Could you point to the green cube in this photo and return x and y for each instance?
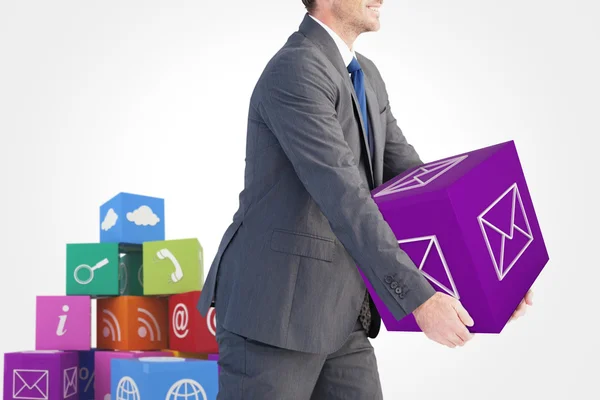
(103, 269)
(172, 266)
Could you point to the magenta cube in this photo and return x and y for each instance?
(468, 223)
(63, 323)
(102, 367)
(41, 374)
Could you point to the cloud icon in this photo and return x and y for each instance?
(143, 216)
(110, 220)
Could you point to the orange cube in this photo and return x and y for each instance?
(132, 323)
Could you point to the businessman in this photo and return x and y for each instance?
(294, 317)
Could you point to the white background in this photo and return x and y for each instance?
(151, 97)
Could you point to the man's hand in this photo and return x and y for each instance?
(443, 319)
(522, 308)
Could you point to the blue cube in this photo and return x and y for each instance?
(169, 378)
(132, 218)
(86, 376)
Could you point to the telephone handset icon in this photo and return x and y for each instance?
(178, 274)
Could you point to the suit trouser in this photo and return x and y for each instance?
(251, 370)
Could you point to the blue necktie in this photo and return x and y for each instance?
(358, 80)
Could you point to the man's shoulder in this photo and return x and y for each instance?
(298, 52)
(295, 62)
(299, 65)
(374, 77)
(368, 66)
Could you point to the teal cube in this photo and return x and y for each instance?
(132, 218)
(104, 269)
(131, 277)
(169, 378)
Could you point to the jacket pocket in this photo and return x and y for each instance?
(303, 244)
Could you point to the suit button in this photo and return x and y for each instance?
(394, 285)
(388, 279)
(398, 290)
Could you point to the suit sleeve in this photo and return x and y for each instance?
(399, 155)
(298, 105)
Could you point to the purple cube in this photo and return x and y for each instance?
(469, 225)
(41, 374)
(63, 323)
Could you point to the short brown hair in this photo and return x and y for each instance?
(309, 4)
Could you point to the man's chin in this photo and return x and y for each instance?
(369, 25)
(372, 28)
(373, 25)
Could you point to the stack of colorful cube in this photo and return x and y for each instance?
(150, 339)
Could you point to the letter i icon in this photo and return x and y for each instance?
(62, 319)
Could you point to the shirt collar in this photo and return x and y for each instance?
(346, 53)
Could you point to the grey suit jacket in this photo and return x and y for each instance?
(287, 265)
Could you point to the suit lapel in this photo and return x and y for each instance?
(377, 131)
(325, 43)
(363, 133)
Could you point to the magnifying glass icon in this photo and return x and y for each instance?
(90, 269)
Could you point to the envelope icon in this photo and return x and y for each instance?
(506, 230)
(31, 384)
(421, 176)
(427, 254)
(70, 382)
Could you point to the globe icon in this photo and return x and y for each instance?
(186, 389)
(127, 389)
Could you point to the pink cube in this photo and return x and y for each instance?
(102, 367)
(63, 323)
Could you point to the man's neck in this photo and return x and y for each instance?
(340, 29)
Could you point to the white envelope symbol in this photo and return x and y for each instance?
(70, 382)
(506, 230)
(421, 176)
(30, 384)
(428, 256)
